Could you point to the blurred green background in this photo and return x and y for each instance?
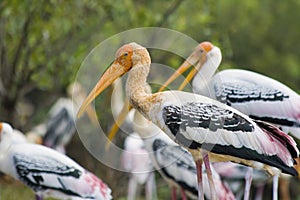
(43, 43)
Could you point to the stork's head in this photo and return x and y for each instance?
(127, 57)
(130, 55)
(5, 129)
(204, 54)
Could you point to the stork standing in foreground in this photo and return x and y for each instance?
(258, 96)
(202, 125)
(47, 172)
(173, 162)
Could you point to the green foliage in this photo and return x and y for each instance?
(43, 42)
(16, 190)
(263, 36)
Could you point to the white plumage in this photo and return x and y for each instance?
(47, 172)
(258, 96)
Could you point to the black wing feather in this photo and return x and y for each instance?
(213, 118)
(203, 115)
(59, 126)
(238, 92)
(32, 169)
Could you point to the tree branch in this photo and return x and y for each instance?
(26, 70)
(169, 12)
(3, 54)
(21, 45)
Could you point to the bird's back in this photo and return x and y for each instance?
(50, 173)
(258, 96)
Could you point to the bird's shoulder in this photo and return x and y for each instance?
(42, 156)
(243, 85)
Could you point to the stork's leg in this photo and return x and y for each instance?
(209, 176)
(173, 192)
(248, 181)
(239, 194)
(259, 192)
(275, 187)
(199, 177)
(37, 197)
(284, 188)
(183, 194)
(132, 189)
(151, 192)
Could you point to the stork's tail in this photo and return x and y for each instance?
(285, 140)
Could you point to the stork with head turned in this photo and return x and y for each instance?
(256, 95)
(47, 172)
(204, 126)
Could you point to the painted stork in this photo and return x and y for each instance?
(60, 126)
(173, 162)
(256, 95)
(201, 124)
(47, 172)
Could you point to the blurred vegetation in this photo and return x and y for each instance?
(43, 42)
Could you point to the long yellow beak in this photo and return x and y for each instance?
(189, 77)
(1, 126)
(191, 60)
(111, 74)
(120, 120)
(197, 59)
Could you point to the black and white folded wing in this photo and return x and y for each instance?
(258, 96)
(50, 173)
(223, 130)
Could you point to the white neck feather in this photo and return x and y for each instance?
(200, 82)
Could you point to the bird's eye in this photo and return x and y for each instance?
(201, 50)
(125, 54)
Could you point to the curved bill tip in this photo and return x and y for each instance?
(188, 63)
(111, 74)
